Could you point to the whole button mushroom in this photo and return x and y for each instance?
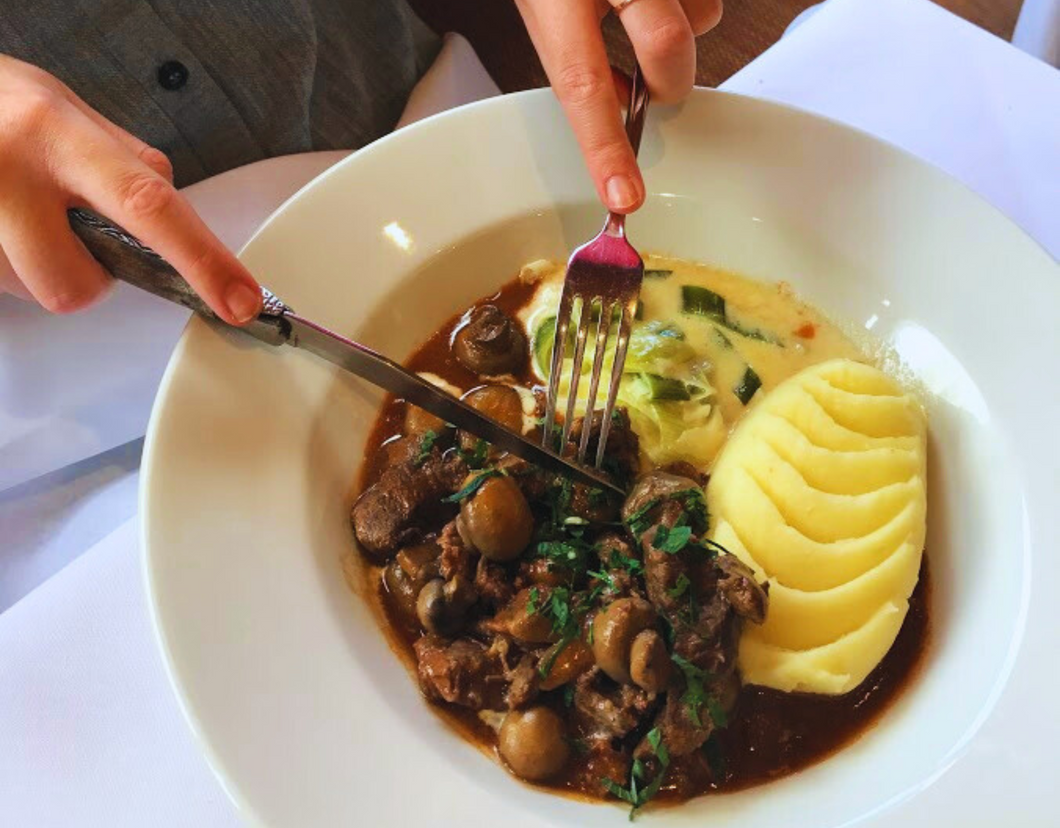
(615, 629)
(496, 520)
(441, 605)
(491, 342)
(533, 743)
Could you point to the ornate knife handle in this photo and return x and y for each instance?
(128, 259)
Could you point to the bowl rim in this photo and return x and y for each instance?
(151, 449)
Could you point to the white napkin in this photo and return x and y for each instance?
(89, 729)
(934, 84)
(75, 390)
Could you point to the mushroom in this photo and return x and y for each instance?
(418, 421)
(533, 743)
(491, 342)
(649, 663)
(496, 520)
(441, 605)
(520, 618)
(573, 659)
(615, 629)
(406, 574)
(498, 402)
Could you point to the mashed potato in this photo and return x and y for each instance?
(821, 490)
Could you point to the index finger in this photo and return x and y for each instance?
(566, 34)
(107, 177)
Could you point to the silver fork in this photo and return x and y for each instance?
(606, 272)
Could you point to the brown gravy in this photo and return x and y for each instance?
(769, 734)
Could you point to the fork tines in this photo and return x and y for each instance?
(603, 281)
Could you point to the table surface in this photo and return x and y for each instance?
(90, 730)
(747, 29)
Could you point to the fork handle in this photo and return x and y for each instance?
(638, 108)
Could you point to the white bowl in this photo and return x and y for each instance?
(306, 715)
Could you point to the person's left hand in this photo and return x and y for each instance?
(567, 36)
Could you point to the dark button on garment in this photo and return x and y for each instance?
(172, 75)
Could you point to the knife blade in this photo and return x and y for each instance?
(128, 259)
(389, 375)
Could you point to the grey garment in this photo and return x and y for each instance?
(220, 83)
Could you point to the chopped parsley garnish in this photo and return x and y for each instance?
(427, 442)
(600, 575)
(690, 614)
(620, 561)
(696, 696)
(671, 541)
(695, 508)
(473, 485)
(532, 599)
(558, 609)
(692, 503)
(637, 523)
(680, 587)
(636, 795)
(565, 609)
(476, 458)
(717, 712)
(572, 553)
(568, 694)
(558, 496)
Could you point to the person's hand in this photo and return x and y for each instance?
(57, 153)
(566, 34)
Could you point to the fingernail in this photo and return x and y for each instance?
(244, 303)
(621, 194)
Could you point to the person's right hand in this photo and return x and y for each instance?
(57, 153)
(567, 36)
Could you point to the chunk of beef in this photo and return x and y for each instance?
(736, 581)
(711, 643)
(399, 451)
(652, 489)
(463, 672)
(622, 455)
(532, 481)
(541, 572)
(594, 505)
(685, 725)
(610, 543)
(666, 572)
(387, 514)
(455, 558)
(525, 683)
(602, 761)
(493, 583)
(605, 709)
(682, 468)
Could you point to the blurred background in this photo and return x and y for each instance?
(747, 29)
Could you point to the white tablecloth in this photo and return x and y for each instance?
(90, 732)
